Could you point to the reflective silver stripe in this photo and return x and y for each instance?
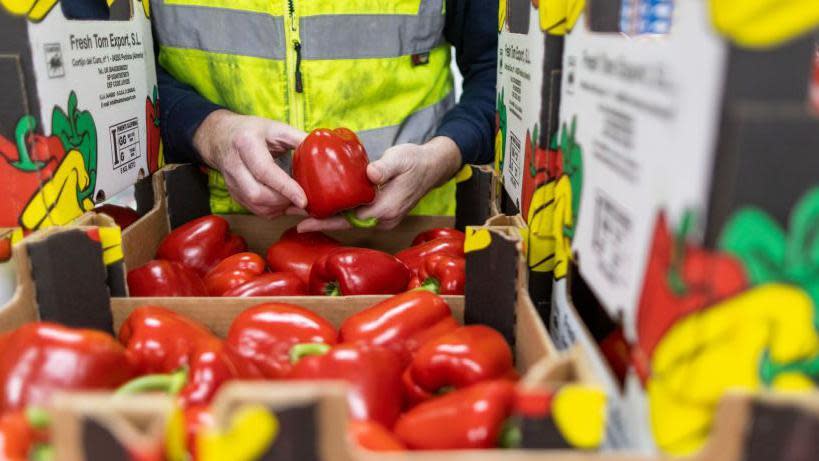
(219, 30)
(356, 36)
(417, 128)
(431, 7)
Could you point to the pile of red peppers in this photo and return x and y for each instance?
(417, 379)
(204, 258)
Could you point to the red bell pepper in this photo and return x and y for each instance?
(277, 284)
(372, 373)
(41, 358)
(402, 323)
(154, 140)
(438, 233)
(161, 341)
(25, 165)
(233, 271)
(442, 273)
(201, 244)
(358, 271)
(458, 359)
(266, 333)
(373, 436)
(18, 436)
(331, 167)
(295, 252)
(198, 419)
(165, 279)
(414, 257)
(5, 248)
(122, 215)
(680, 278)
(468, 418)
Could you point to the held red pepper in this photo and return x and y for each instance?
(443, 274)
(295, 252)
(265, 334)
(277, 284)
(468, 418)
(41, 358)
(122, 215)
(402, 323)
(373, 436)
(233, 271)
(165, 279)
(438, 233)
(161, 341)
(358, 271)
(331, 167)
(414, 257)
(458, 359)
(201, 244)
(372, 373)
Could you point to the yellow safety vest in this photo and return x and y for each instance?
(378, 67)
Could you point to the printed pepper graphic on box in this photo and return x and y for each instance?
(155, 154)
(743, 317)
(35, 10)
(53, 177)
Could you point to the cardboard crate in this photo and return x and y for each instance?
(686, 219)
(79, 114)
(178, 193)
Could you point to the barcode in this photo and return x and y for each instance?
(612, 226)
(514, 161)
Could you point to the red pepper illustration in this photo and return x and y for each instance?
(152, 123)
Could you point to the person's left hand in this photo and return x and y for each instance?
(405, 174)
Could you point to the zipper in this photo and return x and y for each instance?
(295, 82)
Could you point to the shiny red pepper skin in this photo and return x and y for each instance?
(122, 215)
(469, 418)
(161, 341)
(164, 279)
(372, 373)
(295, 252)
(372, 436)
(446, 273)
(458, 359)
(201, 244)
(402, 323)
(358, 271)
(438, 233)
(277, 284)
(41, 358)
(331, 167)
(198, 419)
(265, 334)
(414, 257)
(233, 271)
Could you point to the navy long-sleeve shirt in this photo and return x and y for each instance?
(471, 27)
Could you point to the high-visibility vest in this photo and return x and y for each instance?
(378, 67)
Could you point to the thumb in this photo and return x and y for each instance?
(386, 168)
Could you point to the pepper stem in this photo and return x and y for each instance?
(332, 289)
(170, 383)
(510, 435)
(42, 452)
(355, 221)
(302, 350)
(430, 284)
(38, 417)
(25, 163)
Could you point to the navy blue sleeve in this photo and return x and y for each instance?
(182, 110)
(472, 28)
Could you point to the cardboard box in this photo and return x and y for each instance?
(178, 193)
(79, 115)
(679, 218)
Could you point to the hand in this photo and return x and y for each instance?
(405, 173)
(243, 149)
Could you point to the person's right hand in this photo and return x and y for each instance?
(243, 149)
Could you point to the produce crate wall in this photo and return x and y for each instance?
(685, 226)
(79, 114)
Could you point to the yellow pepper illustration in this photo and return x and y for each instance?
(36, 10)
(252, 431)
(557, 17)
(562, 221)
(57, 202)
(541, 256)
(501, 14)
(722, 348)
(764, 23)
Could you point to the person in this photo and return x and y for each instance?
(240, 81)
